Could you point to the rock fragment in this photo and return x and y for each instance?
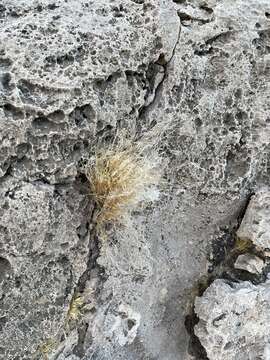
(255, 226)
(234, 320)
(250, 263)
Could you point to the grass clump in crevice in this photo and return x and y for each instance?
(47, 347)
(75, 306)
(79, 304)
(122, 178)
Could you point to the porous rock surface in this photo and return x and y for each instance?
(234, 321)
(255, 226)
(72, 74)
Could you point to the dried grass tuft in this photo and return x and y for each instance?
(74, 311)
(47, 347)
(121, 178)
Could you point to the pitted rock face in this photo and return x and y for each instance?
(190, 76)
(71, 72)
(234, 320)
(216, 94)
(42, 259)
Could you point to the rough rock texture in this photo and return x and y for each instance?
(250, 263)
(234, 321)
(255, 226)
(72, 74)
(42, 257)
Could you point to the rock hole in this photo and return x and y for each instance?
(228, 345)
(26, 90)
(65, 60)
(82, 178)
(3, 321)
(5, 268)
(130, 324)
(140, 2)
(82, 114)
(45, 126)
(5, 63)
(207, 9)
(184, 16)
(22, 150)
(198, 122)
(57, 116)
(6, 81)
(217, 319)
(105, 130)
(52, 6)
(17, 282)
(13, 112)
(82, 231)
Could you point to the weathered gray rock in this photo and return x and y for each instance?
(42, 258)
(234, 321)
(72, 74)
(255, 226)
(250, 263)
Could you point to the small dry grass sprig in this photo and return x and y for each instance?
(46, 348)
(74, 311)
(121, 178)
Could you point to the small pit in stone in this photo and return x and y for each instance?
(131, 323)
(5, 269)
(3, 321)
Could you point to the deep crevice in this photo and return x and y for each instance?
(225, 251)
(165, 64)
(186, 17)
(79, 349)
(93, 254)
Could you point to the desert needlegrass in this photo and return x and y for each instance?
(121, 178)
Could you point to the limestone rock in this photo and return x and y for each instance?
(42, 258)
(124, 325)
(193, 77)
(255, 225)
(250, 263)
(234, 320)
(70, 72)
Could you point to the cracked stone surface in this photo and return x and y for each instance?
(192, 76)
(255, 226)
(234, 321)
(42, 257)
